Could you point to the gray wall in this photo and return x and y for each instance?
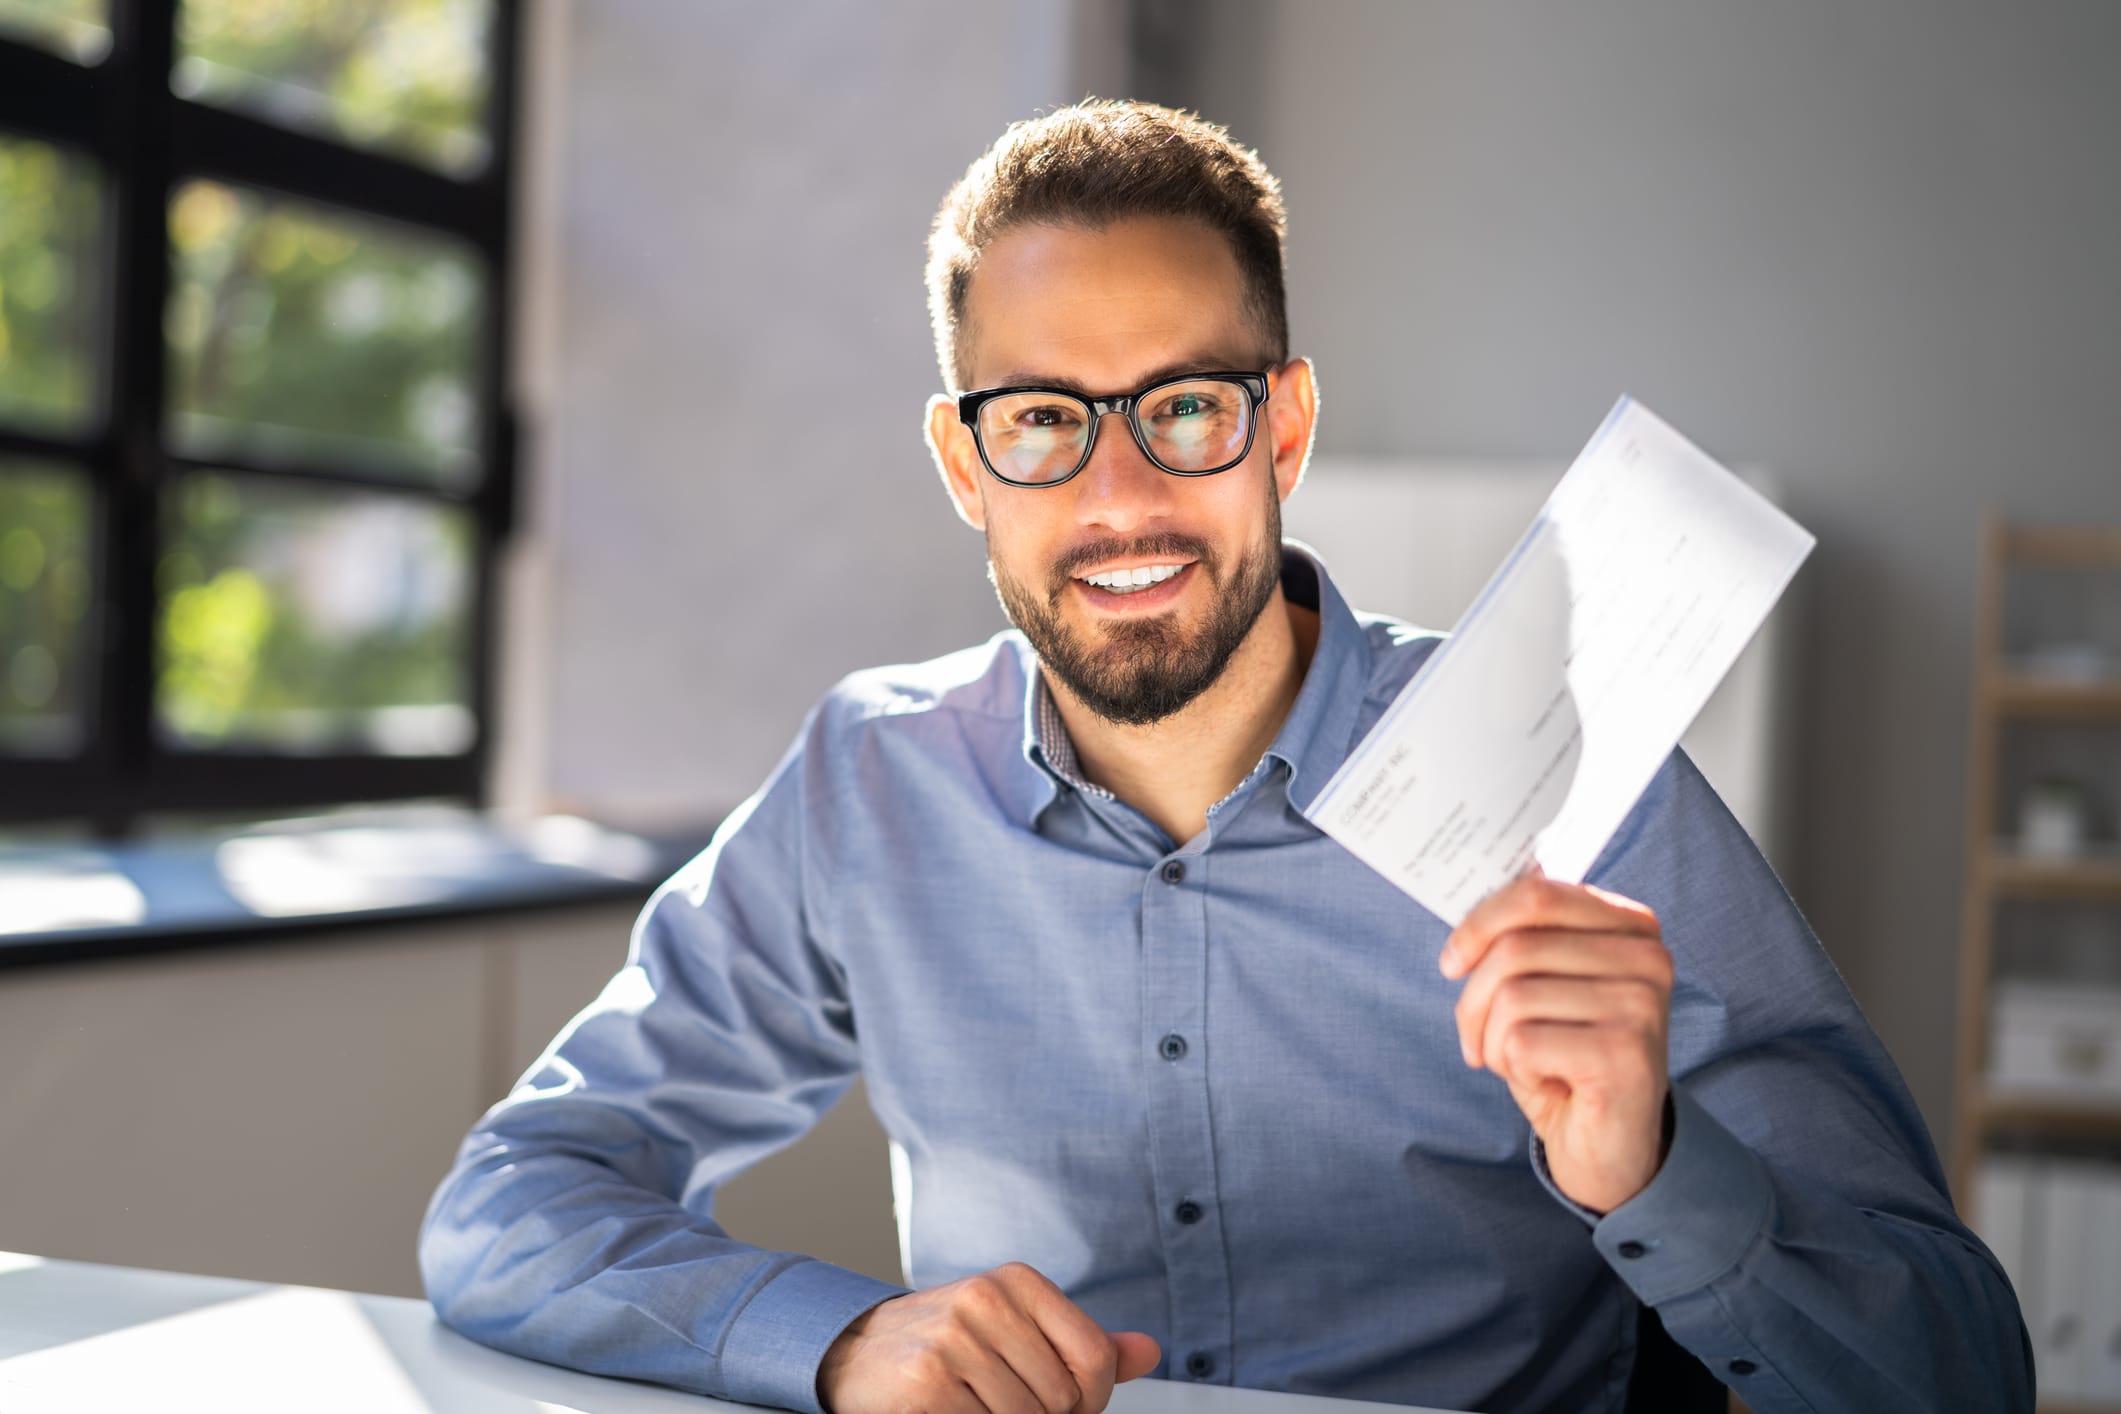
(727, 362)
(1871, 246)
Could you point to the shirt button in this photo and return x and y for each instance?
(1174, 871)
(1632, 1249)
(1741, 1367)
(1187, 1212)
(1172, 1047)
(1200, 1364)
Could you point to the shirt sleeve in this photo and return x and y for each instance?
(577, 1224)
(1799, 1239)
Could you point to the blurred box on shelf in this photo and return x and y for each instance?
(2054, 818)
(2065, 662)
(2052, 1039)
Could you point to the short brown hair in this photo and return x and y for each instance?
(1100, 161)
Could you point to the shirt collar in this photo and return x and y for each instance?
(1314, 737)
(1318, 732)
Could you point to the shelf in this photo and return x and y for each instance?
(2063, 546)
(2092, 1119)
(2020, 695)
(2090, 876)
(2041, 686)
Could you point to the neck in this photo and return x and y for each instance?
(1173, 770)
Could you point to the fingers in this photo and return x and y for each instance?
(1536, 901)
(1626, 1004)
(1138, 1354)
(1549, 1064)
(999, 1389)
(1557, 975)
(1567, 998)
(1017, 1364)
(1007, 1341)
(1058, 1351)
(1096, 1359)
(1536, 1053)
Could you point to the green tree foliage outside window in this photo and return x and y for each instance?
(73, 29)
(302, 618)
(296, 330)
(44, 605)
(48, 310)
(406, 76)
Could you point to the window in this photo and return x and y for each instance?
(256, 455)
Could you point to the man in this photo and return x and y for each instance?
(1174, 1084)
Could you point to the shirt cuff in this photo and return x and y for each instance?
(773, 1349)
(1707, 1205)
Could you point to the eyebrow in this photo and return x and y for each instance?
(1020, 378)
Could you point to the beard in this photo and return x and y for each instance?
(1143, 670)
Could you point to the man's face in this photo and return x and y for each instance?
(1102, 312)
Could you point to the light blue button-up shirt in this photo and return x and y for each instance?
(1211, 1088)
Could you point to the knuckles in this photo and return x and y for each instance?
(980, 1295)
(1647, 1003)
(1657, 962)
(1509, 948)
(1519, 1052)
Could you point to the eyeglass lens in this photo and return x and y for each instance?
(1199, 425)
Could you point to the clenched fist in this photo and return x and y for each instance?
(1005, 1341)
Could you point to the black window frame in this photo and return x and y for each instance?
(146, 141)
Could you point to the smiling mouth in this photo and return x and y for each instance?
(1131, 581)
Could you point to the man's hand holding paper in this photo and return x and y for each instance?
(1499, 775)
(1568, 997)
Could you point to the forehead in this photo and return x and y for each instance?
(1103, 306)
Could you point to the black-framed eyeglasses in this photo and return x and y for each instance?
(1194, 425)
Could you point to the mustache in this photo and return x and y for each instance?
(1165, 545)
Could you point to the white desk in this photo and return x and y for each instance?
(77, 1337)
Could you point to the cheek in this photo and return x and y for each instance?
(1249, 503)
(1017, 542)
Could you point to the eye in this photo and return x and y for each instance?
(1045, 415)
(1186, 405)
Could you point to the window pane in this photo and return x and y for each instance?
(44, 608)
(50, 301)
(305, 618)
(73, 29)
(407, 76)
(299, 331)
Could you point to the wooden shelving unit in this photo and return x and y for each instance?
(2018, 876)
(2025, 696)
(2006, 692)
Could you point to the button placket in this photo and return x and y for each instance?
(1174, 962)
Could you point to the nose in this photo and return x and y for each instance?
(1119, 489)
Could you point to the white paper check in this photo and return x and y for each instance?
(1534, 728)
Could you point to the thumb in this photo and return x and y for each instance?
(1138, 1355)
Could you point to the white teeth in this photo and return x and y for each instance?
(1127, 581)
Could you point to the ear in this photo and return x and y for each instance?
(1292, 420)
(956, 460)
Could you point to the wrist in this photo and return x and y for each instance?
(836, 1357)
(1599, 1183)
